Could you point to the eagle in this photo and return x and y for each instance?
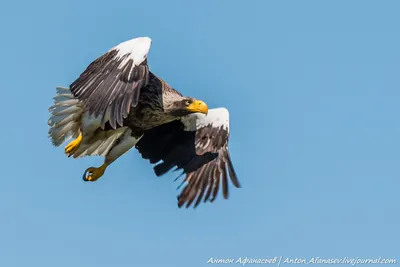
(117, 103)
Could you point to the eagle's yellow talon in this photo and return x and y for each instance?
(73, 146)
(92, 174)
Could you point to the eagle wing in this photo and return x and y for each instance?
(197, 145)
(111, 84)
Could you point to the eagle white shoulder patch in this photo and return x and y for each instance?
(136, 48)
(215, 118)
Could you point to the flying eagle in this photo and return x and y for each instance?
(117, 103)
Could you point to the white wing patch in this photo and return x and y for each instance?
(216, 117)
(137, 48)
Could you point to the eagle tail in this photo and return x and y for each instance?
(66, 114)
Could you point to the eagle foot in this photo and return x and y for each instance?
(92, 174)
(73, 146)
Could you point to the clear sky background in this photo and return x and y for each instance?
(313, 93)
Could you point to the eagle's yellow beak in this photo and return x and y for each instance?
(198, 106)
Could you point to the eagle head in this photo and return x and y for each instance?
(186, 106)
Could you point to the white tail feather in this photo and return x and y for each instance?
(68, 119)
(65, 117)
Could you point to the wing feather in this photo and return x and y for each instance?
(111, 84)
(197, 145)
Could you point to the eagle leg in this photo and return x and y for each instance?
(92, 174)
(120, 147)
(73, 146)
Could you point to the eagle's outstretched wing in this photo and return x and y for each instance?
(111, 84)
(198, 145)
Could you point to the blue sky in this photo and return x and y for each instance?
(313, 93)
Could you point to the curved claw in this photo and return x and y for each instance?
(73, 146)
(85, 176)
(92, 174)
